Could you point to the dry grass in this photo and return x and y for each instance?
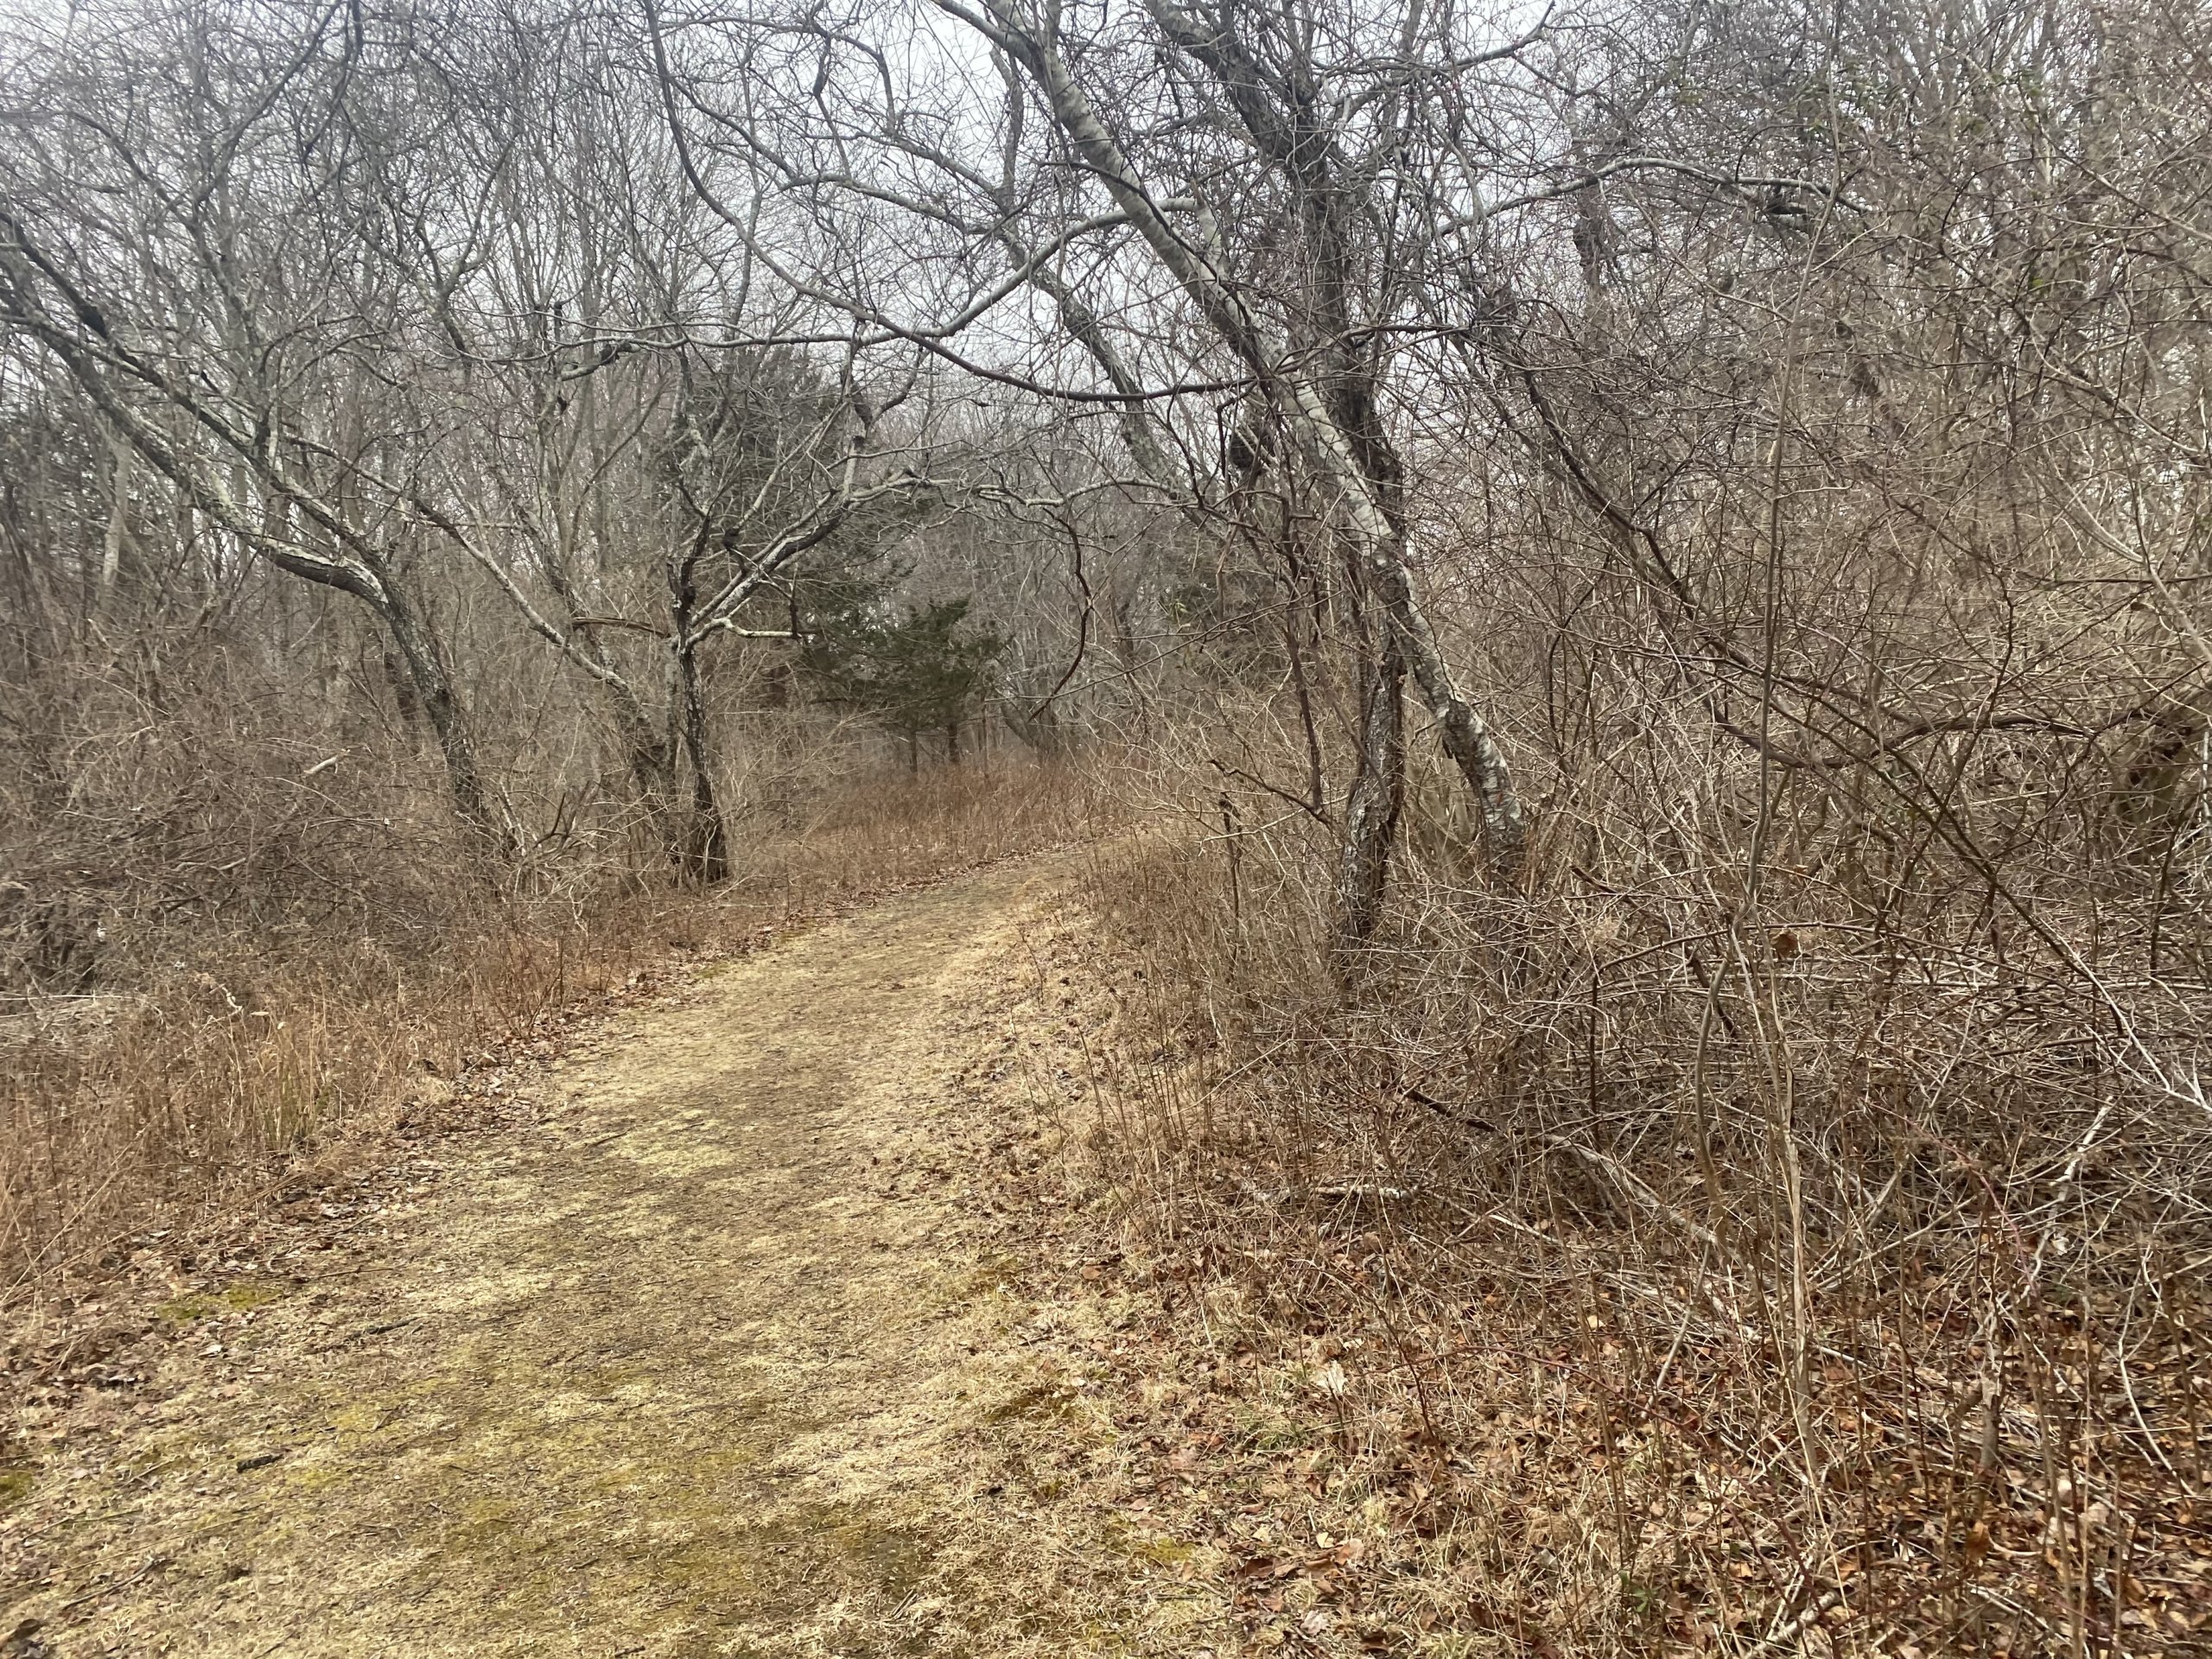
(1628, 1281)
(229, 1047)
(778, 1397)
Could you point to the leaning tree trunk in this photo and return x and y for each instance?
(297, 529)
(426, 670)
(1191, 255)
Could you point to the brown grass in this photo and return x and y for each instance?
(231, 1048)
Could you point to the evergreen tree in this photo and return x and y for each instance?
(920, 670)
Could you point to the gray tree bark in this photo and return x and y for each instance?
(1378, 794)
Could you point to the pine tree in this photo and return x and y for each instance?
(920, 670)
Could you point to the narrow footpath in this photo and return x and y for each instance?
(712, 1361)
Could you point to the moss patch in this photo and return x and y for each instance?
(241, 1296)
(16, 1480)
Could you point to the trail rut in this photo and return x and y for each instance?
(709, 1364)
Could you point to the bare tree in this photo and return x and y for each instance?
(208, 305)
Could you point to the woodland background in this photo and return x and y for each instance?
(1628, 583)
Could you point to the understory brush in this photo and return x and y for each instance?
(1660, 1267)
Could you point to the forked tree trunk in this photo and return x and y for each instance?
(1465, 735)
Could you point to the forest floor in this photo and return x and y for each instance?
(745, 1328)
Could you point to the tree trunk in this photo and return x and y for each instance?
(651, 756)
(1466, 736)
(706, 848)
(119, 517)
(296, 531)
(425, 671)
(1377, 792)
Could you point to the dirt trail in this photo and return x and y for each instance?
(708, 1365)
